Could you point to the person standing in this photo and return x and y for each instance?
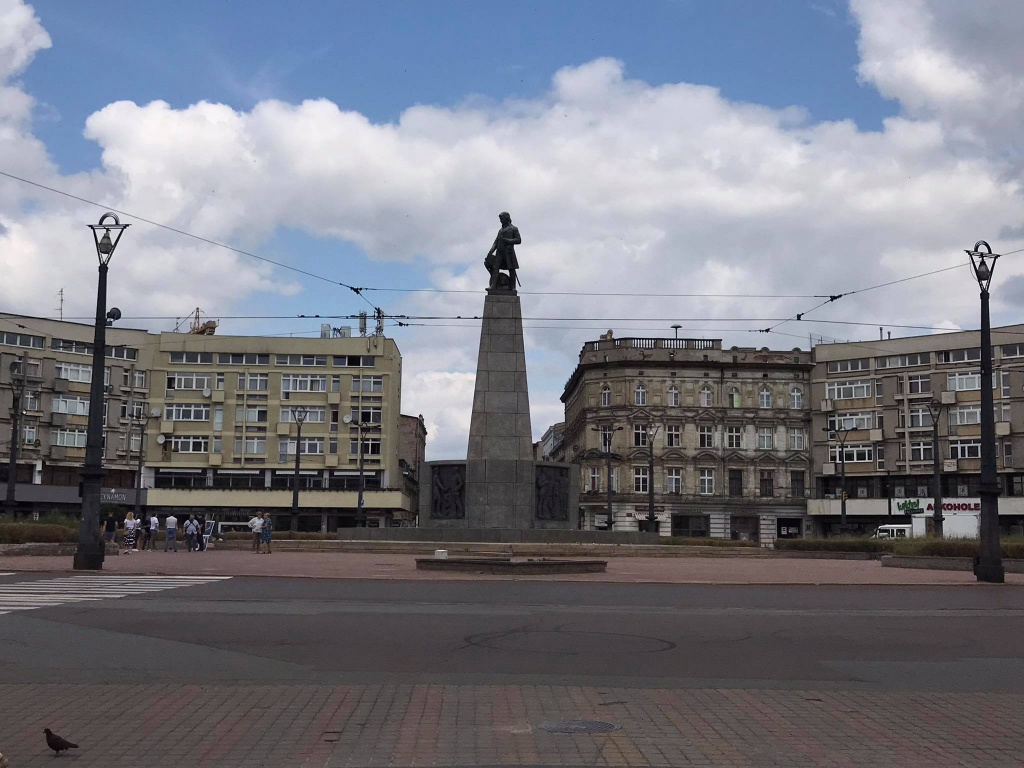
(131, 528)
(171, 526)
(154, 528)
(109, 527)
(202, 533)
(256, 526)
(266, 531)
(191, 529)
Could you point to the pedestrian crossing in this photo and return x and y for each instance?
(47, 593)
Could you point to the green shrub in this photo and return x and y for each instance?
(706, 542)
(36, 533)
(53, 518)
(835, 544)
(282, 534)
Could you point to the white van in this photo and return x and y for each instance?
(894, 532)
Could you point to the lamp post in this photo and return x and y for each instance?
(675, 329)
(89, 555)
(143, 423)
(299, 414)
(841, 433)
(606, 433)
(360, 426)
(935, 411)
(989, 564)
(17, 391)
(652, 519)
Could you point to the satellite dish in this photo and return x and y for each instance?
(161, 439)
(155, 413)
(347, 418)
(206, 392)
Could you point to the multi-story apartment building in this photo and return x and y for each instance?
(221, 434)
(727, 427)
(882, 396)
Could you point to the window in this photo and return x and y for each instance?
(765, 438)
(920, 450)
(367, 383)
(765, 398)
(640, 395)
(251, 445)
(30, 401)
(706, 482)
(74, 372)
(133, 409)
(190, 444)
(706, 397)
(734, 398)
(335, 383)
(848, 390)
(963, 382)
(313, 415)
(845, 366)
(136, 379)
(606, 396)
(21, 340)
(733, 437)
(964, 414)
(313, 360)
(797, 438)
(29, 434)
(972, 355)
(200, 358)
(310, 445)
(354, 361)
(371, 446)
(705, 436)
(1004, 379)
(183, 380)
(606, 438)
(594, 479)
(736, 482)
(303, 382)
(903, 361)
(73, 406)
(767, 486)
(218, 418)
(639, 436)
(674, 478)
(68, 438)
(35, 368)
(254, 382)
(640, 479)
(858, 420)
(916, 385)
(965, 449)
(797, 488)
(673, 436)
(796, 398)
(243, 358)
(219, 382)
(690, 526)
(1013, 350)
(852, 453)
(251, 415)
(187, 412)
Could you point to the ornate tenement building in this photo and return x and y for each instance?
(728, 429)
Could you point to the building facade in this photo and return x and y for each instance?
(728, 430)
(215, 420)
(882, 395)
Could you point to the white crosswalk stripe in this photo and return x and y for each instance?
(47, 593)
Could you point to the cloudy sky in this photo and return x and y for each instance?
(714, 165)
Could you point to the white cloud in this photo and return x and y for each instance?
(617, 185)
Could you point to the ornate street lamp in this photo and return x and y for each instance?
(989, 564)
(361, 497)
(652, 519)
(841, 433)
(18, 391)
(935, 409)
(89, 555)
(299, 414)
(607, 432)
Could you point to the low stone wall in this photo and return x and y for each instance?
(499, 535)
(944, 563)
(506, 565)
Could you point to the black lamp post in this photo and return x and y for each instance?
(142, 422)
(606, 448)
(299, 414)
(361, 497)
(935, 410)
(18, 391)
(989, 564)
(841, 434)
(89, 556)
(652, 519)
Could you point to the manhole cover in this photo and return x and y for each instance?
(579, 726)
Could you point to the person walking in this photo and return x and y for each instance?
(256, 526)
(131, 529)
(266, 531)
(171, 526)
(202, 533)
(191, 531)
(109, 527)
(154, 528)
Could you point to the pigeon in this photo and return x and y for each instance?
(56, 743)
(3, 762)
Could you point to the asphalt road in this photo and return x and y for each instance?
(255, 630)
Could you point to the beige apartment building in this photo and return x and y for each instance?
(219, 416)
(882, 394)
(727, 427)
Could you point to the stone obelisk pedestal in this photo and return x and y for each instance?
(500, 466)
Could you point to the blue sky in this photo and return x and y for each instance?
(665, 146)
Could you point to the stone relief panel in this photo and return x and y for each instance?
(448, 492)
(552, 489)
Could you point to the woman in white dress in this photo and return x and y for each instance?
(131, 530)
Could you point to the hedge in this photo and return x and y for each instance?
(836, 544)
(36, 533)
(706, 541)
(1011, 548)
